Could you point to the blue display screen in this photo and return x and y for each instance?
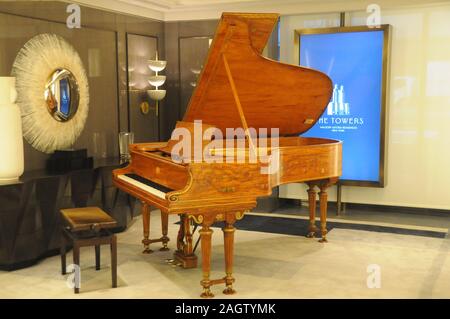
(354, 62)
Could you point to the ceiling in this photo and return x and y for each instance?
(172, 10)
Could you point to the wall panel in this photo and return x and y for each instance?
(101, 43)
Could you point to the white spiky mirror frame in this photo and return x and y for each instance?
(37, 60)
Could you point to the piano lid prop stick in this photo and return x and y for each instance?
(238, 104)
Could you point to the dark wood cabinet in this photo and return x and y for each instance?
(29, 212)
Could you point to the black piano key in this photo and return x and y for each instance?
(148, 182)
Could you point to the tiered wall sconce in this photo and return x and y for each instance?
(157, 81)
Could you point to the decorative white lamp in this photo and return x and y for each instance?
(157, 81)
(11, 142)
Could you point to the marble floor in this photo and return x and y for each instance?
(266, 266)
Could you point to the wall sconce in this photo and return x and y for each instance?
(156, 81)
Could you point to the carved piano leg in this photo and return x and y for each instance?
(228, 236)
(323, 197)
(146, 224)
(312, 194)
(165, 228)
(206, 234)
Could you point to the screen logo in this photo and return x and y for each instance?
(338, 105)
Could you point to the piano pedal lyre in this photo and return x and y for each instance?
(146, 225)
(185, 256)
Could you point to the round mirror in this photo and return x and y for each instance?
(62, 95)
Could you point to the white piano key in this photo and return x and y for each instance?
(142, 186)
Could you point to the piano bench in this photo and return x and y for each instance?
(87, 226)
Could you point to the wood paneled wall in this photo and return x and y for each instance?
(101, 40)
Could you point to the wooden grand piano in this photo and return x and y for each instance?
(219, 179)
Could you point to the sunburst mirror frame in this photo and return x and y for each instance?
(35, 63)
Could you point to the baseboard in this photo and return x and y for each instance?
(288, 202)
(398, 209)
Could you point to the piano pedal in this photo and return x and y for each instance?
(311, 235)
(174, 263)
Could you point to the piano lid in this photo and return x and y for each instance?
(240, 88)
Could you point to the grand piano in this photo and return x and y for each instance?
(238, 139)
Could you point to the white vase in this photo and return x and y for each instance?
(11, 142)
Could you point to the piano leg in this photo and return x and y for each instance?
(146, 224)
(206, 234)
(165, 228)
(228, 236)
(312, 194)
(323, 198)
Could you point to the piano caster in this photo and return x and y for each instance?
(164, 248)
(312, 230)
(324, 233)
(147, 250)
(311, 235)
(207, 293)
(229, 291)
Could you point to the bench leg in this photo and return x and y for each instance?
(114, 260)
(97, 257)
(63, 254)
(76, 262)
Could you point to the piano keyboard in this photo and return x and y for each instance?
(146, 185)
